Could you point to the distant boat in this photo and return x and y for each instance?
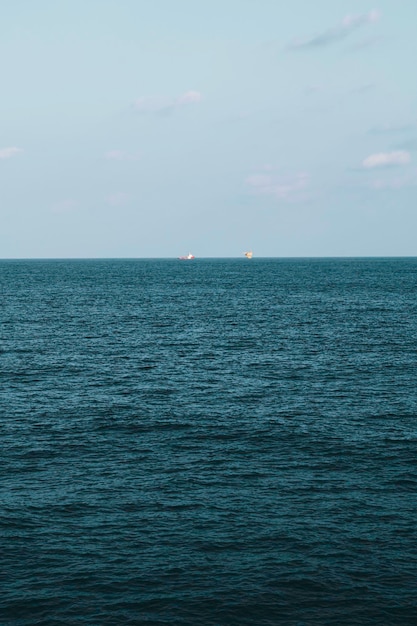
(249, 254)
(189, 257)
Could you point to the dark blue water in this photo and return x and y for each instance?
(209, 442)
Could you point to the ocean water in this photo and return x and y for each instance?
(211, 442)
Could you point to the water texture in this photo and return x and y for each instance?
(208, 442)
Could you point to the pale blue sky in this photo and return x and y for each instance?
(135, 128)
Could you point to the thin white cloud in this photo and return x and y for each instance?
(367, 42)
(349, 24)
(114, 155)
(120, 155)
(159, 106)
(271, 181)
(8, 153)
(117, 199)
(165, 106)
(384, 159)
(64, 206)
(189, 97)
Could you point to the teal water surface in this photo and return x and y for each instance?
(208, 442)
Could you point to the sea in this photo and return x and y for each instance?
(209, 442)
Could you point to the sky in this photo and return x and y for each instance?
(131, 128)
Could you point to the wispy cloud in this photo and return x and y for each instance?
(348, 25)
(166, 106)
(121, 155)
(362, 89)
(117, 199)
(367, 42)
(384, 159)
(282, 186)
(8, 153)
(189, 97)
(313, 89)
(115, 155)
(64, 206)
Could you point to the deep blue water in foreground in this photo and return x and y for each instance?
(210, 442)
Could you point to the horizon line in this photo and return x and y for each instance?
(172, 258)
